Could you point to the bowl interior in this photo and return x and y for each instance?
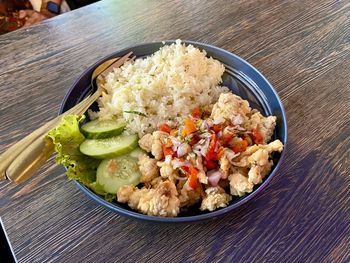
(242, 78)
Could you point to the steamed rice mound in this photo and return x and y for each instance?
(162, 88)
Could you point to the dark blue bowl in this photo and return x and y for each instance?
(241, 77)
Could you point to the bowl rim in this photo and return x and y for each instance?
(201, 217)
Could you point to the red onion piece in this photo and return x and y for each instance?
(214, 177)
(237, 119)
(230, 155)
(218, 120)
(205, 147)
(178, 164)
(176, 142)
(183, 149)
(204, 126)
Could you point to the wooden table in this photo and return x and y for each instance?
(302, 47)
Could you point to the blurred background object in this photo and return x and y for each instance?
(15, 14)
(9, 14)
(74, 4)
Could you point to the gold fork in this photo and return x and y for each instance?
(25, 157)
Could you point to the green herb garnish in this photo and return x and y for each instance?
(135, 112)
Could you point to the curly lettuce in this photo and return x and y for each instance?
(66, 138)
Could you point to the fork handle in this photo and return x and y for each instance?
(30, 160)
(15, 150)
(11, 154)
(28, 157)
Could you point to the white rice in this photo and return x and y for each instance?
(165, 87)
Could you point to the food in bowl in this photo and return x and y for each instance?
(167, 137)
(162, 88)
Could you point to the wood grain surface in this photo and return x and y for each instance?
(302, 47)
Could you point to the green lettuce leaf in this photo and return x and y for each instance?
(66, 138)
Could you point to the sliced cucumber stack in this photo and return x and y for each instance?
(99, 129)
(122, 170)
(109, 147)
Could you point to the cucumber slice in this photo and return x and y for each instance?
(113, 173)
(109, 147)
(99, 129)
(137, 152)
